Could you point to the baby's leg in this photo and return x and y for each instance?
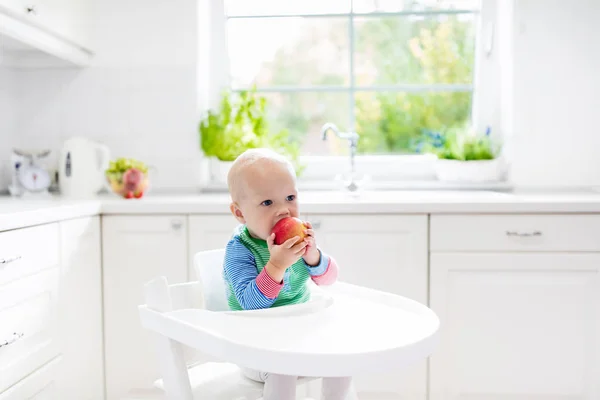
(280, 387)
(277, 387)
(337, 389)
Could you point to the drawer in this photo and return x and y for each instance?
(38, 248)
(41, 385)
(28, 325)
(515, 233)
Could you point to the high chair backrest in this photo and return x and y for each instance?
(209, 271)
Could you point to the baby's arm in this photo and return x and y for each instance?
(325, 272)
(252, 290)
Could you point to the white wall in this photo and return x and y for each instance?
(138, 97)
(556, 92)
(7, 122)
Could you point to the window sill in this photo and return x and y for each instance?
(332, 185)
(395, 172)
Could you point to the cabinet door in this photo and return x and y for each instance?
(18, 7)
(208, 232)
(67, 19)
(516, 326)
(80, 310)
(135, 250)
(388, 253)
(40, 385)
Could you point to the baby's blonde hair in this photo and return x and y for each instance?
(250, 158)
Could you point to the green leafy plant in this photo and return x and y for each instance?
(240, 124)
(461, 144)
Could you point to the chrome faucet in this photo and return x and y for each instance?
(352, 137)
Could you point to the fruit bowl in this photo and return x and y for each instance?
(127, 178)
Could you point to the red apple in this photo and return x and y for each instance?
(132, 178)
(287, 228)
(138, 195)
(129, 195)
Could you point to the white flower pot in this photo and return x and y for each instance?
(214, 171)
(219, 170)
(469, 171)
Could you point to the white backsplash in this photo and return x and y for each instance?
(139, 97)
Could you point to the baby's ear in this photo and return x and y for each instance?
(237, 213)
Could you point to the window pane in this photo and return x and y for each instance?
(415, 49)
(288, 51)
(303, 114)
(285, 7)
(368, 6)
(394, 122)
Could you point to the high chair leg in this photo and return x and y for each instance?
(173, 369)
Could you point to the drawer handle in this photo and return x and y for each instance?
(15, 336)
(523, 234)
(9, 259)
(316, 224)
(176, 224)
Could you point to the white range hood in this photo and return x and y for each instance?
(26, 43)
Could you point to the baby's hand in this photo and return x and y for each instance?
(287, 253)
(311, 256)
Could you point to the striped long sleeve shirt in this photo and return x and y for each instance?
(249, 286)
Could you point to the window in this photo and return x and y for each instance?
(387, 69)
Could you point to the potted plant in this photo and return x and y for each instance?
(239, 124)
(465, 156)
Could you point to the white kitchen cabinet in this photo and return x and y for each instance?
(47, 34)
(135, 250)
(18, 7)
(29, 286)
(67, 19)
(516, 326)
(209, 232)
(81, 372)
(40, 385)
(388, 253)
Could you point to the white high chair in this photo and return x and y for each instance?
(212, 380)
(344, 330)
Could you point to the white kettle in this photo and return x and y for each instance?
(81, 167)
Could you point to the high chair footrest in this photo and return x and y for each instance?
(220, 381)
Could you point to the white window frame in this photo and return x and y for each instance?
(385, 171)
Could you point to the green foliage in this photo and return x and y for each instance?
(241, 124)
(436, 52)
(393, 50)
(117, 167)
(461, 144)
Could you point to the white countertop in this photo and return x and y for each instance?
(17, 213)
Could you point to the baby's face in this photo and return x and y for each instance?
(269, 195)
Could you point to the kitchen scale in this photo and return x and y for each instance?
(30, 176)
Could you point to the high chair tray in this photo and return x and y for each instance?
(345, 330)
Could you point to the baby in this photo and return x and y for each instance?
(260, 274)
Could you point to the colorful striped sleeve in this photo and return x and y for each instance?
(324, 273)
(252, 290)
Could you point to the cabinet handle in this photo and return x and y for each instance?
(316, 224)
(523, 234)
(176, 224)
(31, 10)
(8, 260)
(15, 336)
